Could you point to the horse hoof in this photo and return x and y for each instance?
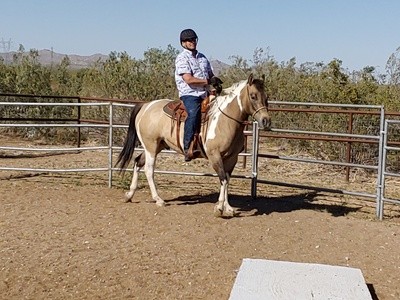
(218, 212)
(128, 197)
(231, 213)
(160, 204)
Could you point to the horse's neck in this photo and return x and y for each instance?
(227, 111)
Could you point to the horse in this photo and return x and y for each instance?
(222, 136)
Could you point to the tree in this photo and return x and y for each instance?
(393, 68)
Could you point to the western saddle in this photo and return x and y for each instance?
(177, 112)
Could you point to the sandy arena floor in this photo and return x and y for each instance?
(68, 236)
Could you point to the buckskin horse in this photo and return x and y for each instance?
(222, 136)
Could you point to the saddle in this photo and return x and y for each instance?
(177, 112)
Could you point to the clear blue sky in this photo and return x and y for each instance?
(359, 32)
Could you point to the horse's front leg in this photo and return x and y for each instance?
(223, 208)
(149, 171)
(219, 207)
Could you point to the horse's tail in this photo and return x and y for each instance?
(126, 153)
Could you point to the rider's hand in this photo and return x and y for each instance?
(214, 81)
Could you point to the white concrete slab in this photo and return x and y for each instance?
(279, 280)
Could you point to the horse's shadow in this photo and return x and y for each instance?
(247, 206)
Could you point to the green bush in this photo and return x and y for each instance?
(124, 77)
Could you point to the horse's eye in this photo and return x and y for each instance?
(253, 96)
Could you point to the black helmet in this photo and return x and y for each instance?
(188, 34)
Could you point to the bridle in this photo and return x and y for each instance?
(252, 116)
(257, 110)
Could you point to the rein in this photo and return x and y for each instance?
(253, 115)
(229, 117)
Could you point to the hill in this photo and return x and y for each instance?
(49, 57)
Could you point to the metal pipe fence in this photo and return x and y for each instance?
(53, 149)
(384, 173)
(110, 147)
(379, 196)
(256, 154)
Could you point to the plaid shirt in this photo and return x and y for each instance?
(198, 66)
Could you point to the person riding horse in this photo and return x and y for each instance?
(193, 73)
(222, 136)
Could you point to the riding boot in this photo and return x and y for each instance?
(194, 146)
(188, 152)
(187, 155)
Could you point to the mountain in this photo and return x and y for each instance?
(48, 57)
(218, 66)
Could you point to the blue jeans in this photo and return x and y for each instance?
(192, 123)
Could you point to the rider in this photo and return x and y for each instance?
(193, 73)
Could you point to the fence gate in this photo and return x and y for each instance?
(391, 131)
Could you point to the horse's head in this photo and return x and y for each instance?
(255, 101)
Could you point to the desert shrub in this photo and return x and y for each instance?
(123, 77)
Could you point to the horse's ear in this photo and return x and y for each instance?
(250, 79)
(263, 77)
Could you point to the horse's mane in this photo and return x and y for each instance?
(237, 87)
(233, 87)
(227, 93)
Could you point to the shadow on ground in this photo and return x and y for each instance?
(372, 291)
(267, 205)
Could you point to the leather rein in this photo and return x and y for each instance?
(253, 115)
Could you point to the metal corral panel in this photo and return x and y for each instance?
(278, 280)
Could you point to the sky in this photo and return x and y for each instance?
(360, 33)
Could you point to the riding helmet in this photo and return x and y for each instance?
(188, 34)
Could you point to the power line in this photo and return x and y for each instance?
(5, 46)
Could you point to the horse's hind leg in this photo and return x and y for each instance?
(139, 163)
(149, 171)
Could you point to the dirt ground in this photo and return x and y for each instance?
(68, 236)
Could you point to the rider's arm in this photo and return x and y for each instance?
(190, 79)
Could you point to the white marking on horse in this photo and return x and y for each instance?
(222, 103)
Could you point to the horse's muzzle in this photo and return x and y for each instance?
(262, 117)
(265, 123)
